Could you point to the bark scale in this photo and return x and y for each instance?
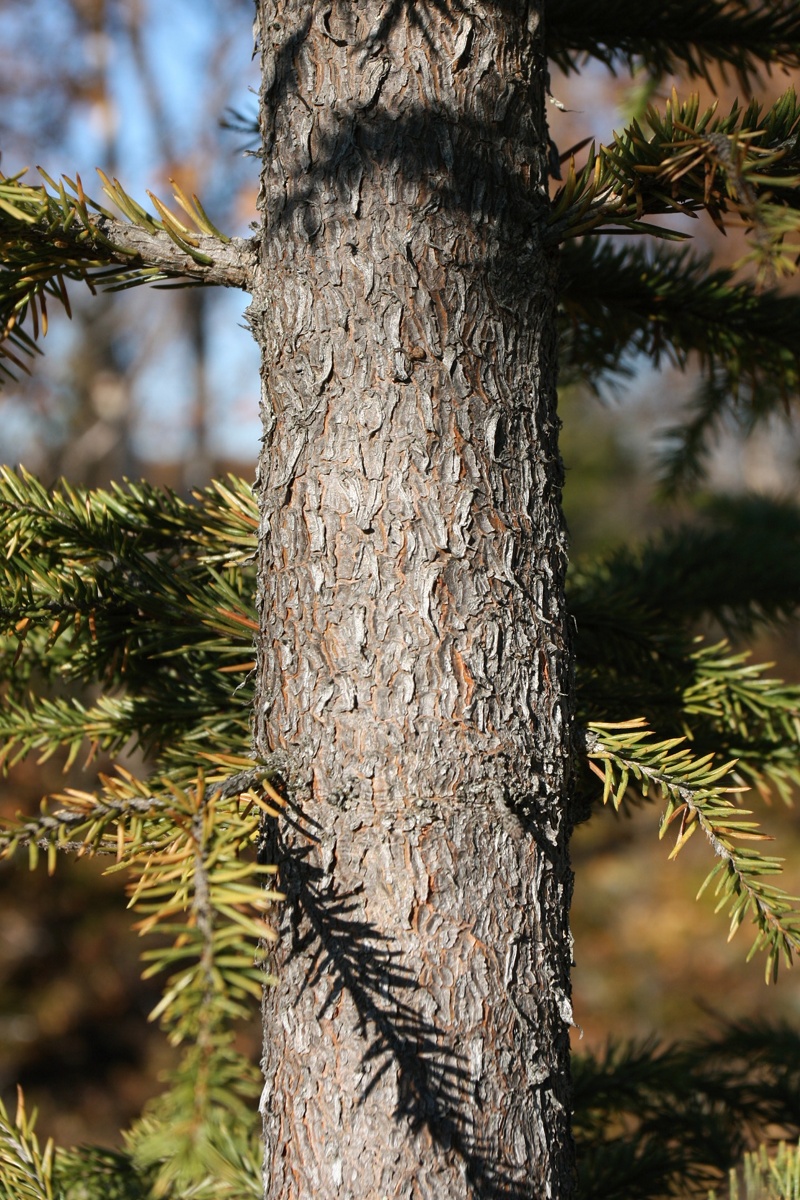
(412, 670)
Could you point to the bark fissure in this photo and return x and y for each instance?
(412, 661)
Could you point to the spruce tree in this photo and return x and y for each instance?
(355, 685)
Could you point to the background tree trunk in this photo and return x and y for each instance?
(413, 670)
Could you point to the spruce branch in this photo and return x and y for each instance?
(219, 527)
(208, 874)
(54, 233)
(86, 572)
(39, 724)
(91, 1172)
(29, 1173)
(134, 588)
(767, 1174)
(647, 1126)
(621, 302)
(195, 883)
(688, 1110)
(721, 566)
(197, 1138)
(734, 707)
(744, 164)
(677, 37)
(718, 699)
(722, 402)
(636, 1166)
(26, 1171)
(696, 798)
(635, 612)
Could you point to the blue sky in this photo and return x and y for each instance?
(199, 61)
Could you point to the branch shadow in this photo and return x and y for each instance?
(464, 160)
(461, 159)
(435, 1088)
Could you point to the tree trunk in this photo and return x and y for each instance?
(413, 674)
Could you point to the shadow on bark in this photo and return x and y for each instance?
(416, 13)
(282, 79)
(473, 155)
(460, 159)
(416, 17)
(435, 1088)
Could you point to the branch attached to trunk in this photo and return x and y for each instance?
(229, 264)
(52, 234)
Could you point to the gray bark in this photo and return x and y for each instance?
(232, 263)
(413, 673)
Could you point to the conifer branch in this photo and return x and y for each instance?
(743, 164)
(91, 1172)
(697, 799)
(26, 1171)
(767, 1174)
(29, 1173)
(46, 725)
(197, 1139)
(720, 566)
(688, 1110)
(135, 588)
(54, 233)
(676, 37)
(719, 700)
(213, 1088)
(734, 708)
(196, 885)
(162, 590)
(720, 403)
(621, 302)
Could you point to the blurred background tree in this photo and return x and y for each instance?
(113, 83)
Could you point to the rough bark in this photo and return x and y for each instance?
(412, 670)
(231, 264)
